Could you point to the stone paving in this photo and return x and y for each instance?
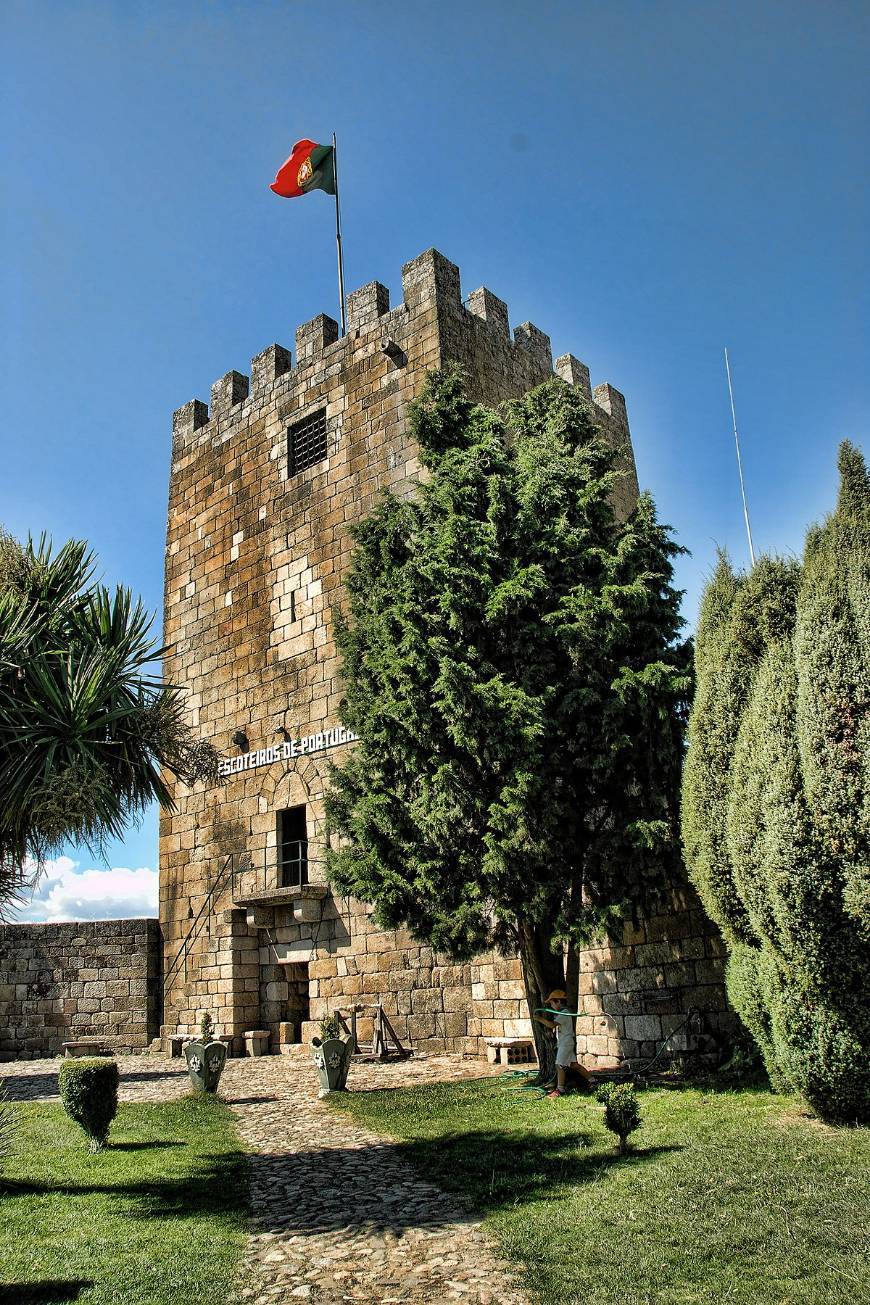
(337, 1214)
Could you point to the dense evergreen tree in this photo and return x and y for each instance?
(85, 726)
(776, 800)
(512, 664)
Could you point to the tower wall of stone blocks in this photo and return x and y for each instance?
(255, 558)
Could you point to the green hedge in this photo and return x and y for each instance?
(776, 800)
(89, 1093)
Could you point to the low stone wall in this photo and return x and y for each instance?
(60, 982)
(664, 979)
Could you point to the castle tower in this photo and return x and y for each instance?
(265, 485)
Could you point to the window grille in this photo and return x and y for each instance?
(293, 847)
(306, 442)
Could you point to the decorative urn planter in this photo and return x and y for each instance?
(205, 1063)
(332, 1059)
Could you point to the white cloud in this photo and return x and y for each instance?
(66, 892)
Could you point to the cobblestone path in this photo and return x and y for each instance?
(337, 1214)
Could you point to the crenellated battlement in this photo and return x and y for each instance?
(430, 283)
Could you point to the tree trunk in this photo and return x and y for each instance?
(543, 970)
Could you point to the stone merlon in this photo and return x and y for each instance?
(428, 280)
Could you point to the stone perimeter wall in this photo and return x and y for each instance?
(61, 982)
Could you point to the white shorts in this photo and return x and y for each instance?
(566, 1052)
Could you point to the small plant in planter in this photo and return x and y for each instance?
(205, 1058)
(329, 1028)
(89, 1094)
(621, 1111)
(332, 1055)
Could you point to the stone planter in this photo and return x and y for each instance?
(205, 1063)
(257, 1042)
(332, 1059)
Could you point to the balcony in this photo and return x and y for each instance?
(278, 877)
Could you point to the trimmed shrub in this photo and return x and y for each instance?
(206, 1028)
(776, 801)
(89, 1093)
(621, 1111)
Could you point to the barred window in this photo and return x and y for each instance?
(306, 442)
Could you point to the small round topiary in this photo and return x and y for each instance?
(89, 1093)
(621, 1111)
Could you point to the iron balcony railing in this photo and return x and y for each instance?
(275, 869)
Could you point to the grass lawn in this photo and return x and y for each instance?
(730, 1197)
(157, 1217)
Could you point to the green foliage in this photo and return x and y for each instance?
(163, 1207)
(776, 800)
(513, 669)
(206, 1027)
(734, 1196)
(330, 1028)
(89, 1095)
(7, 1125)
(621, 1110)
(85, 726)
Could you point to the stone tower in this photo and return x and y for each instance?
(266, 482)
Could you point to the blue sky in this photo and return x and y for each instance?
(647, 182)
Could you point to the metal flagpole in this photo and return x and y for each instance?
(739, 462)
(338, 239)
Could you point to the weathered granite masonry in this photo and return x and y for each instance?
(60, 982)
(256, 554)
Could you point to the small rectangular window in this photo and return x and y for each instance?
(306, 442)
(292, 847)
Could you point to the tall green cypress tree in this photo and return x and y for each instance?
(512, 664)
(781, 808)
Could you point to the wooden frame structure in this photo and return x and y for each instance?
(385, 1044)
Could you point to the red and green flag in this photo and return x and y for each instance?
(309, 167)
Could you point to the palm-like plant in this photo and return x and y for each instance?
(86, 726)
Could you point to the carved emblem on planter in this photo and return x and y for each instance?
(332, 1059)
(205, 1063)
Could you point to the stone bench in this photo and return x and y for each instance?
(510, 1051)
(257, 1042)
(173, 1044)
(87, 1047)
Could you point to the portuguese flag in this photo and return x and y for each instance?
(309, 167)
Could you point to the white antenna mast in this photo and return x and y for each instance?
(739, 462)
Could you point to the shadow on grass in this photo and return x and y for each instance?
(389, 1186)
(213, 1188)
(396, 1186)
(494, 1169)
(43, 1293)
(154, 1145)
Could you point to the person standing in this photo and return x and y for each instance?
(566, 1045)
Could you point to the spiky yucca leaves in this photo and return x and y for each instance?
(512, 666)
(776, 793)
(85, 725)
(8, 1125)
